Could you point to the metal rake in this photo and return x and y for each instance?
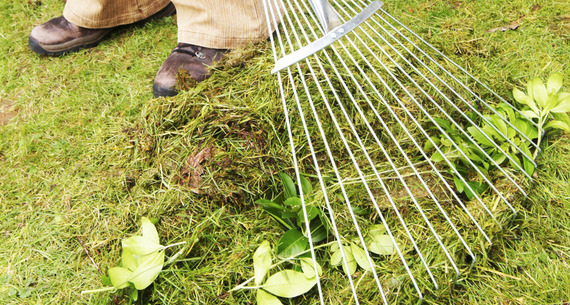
(368, 104)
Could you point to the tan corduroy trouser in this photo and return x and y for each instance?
(220, 24)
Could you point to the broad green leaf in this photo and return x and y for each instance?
(312, 212)
(292, 243)
(558, 124)
(479, 136)
(443, 123)
(264, 298)
(501, 125)
(458, 184)
(288, 185)
(119, 277)
(530, 114)
(539, 92)
(524, 99)
(319, 231)
(292, 201)
(528, 165)
(106, 280)
(139, 245)
(306, 186)
(148, 269)
(360, 257)
(499, 157)
(288, 214)
(437, 157)
(289, 284)
(563, 106)
(514, 161)
(128, 260)
(377, 229)
(336, 259)
(149, 231)
(308, 268)
(135, 295)
(554, 83)
(380, 244)
(477, 188)
(276, 211)
(261, 261)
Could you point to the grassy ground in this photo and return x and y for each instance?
(85, 152)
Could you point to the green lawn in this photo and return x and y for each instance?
(85, 152)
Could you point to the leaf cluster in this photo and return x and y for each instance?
(294, 214)
(546, 104)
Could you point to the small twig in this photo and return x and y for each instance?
(88, 255)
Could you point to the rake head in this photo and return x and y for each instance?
(396, 135)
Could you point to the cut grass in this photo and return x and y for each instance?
(89, 153)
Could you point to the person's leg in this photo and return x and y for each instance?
(85, 23)
(206, 30)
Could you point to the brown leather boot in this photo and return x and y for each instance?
(194, 59)
(59, 36)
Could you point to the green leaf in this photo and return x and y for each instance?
(501, 125)
(499, 157)
(139, 245)
(128, 260)
(264, 298)
(336, 259)
(539, 92)
(479, 136)
(149, 231)
(288, 185)
(134, 295)
(293, 201)
(360, 257)
(289, 284)
(276, 211)
(530, 114)
(319, 231)
(308, 268)
(443, 123)
(292, 243)
(261, 261)
(558, 124)
(380, 244)
(563, 106)
(306, 186)
(148, 269)
(437, 157)
(554, 83)
(524, 99)
(119, 277)
(106, 280)
(458, 184)
(477, 188)
(312, 212)
(528, 165)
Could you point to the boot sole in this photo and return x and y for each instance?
(158, 91)
(37, 48)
